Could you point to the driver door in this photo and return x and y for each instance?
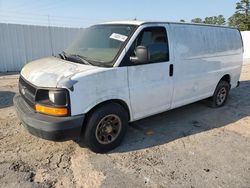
(150, 84)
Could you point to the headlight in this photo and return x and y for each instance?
(52, 96)
(53, 102)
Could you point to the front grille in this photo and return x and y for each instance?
(27, 91)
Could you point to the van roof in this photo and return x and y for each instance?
(138, 23)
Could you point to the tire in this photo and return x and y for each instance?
(106, 127)
(220, 95)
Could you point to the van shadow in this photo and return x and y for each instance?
(6, 99)
(185, 121)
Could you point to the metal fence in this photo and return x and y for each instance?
(20, 44)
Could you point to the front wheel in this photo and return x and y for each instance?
(106, 127)
(220, 95)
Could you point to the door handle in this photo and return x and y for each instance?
(171, 70)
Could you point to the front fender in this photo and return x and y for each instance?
(106, 99)
(93, 89)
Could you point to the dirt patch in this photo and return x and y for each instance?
(193, 146)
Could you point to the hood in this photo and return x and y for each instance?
(49, 72)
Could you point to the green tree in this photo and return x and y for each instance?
(217, 20)
(197, 20)
(210, 20)
(182, 20)
(241, 17)
(243, 7)
(221, 20)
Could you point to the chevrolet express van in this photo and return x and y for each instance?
(120, 72)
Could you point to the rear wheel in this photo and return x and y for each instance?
(106, 128)
(220, 95)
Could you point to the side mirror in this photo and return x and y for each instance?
(158, 52)
(142, 55)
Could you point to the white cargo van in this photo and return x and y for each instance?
(119, 72)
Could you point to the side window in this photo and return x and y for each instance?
(154, 38)
(146, 38)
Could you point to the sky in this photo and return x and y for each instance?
(83, 13)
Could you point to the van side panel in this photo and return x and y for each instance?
(95, 88)
(202, 56)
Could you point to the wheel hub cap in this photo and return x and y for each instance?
(108, 129)
(221, 96)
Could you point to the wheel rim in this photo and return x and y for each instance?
(108, 129)
(221, 96)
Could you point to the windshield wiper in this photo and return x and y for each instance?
(81, 58)
(62, 55)
(76, 57)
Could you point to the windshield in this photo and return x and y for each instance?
(99, 45)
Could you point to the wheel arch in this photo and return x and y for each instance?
(226, 78)
(115, 100)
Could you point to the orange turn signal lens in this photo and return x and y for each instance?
(52, 110)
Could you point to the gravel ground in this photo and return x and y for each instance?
(193, 146)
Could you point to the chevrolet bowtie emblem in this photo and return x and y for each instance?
(23, 90)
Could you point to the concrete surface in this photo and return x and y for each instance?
(246, 61)
(193, 146)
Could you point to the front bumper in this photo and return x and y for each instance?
(48, 127)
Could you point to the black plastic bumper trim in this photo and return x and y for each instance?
(48, 127)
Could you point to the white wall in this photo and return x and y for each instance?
(20, 44)
(246, 41)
